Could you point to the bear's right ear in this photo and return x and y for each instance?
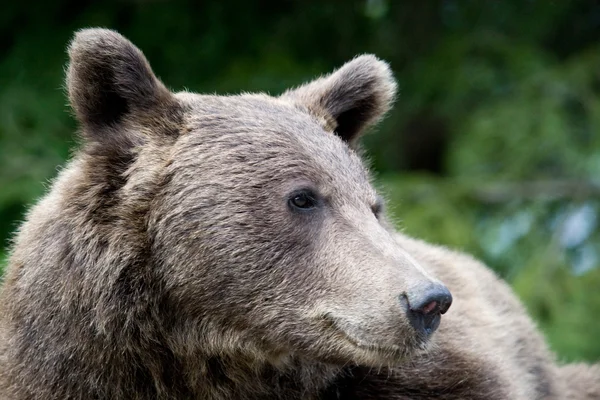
(109, 80)
(354, 97)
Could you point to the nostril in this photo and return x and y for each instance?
(446, 303)
(434, 300)
(429, 308)
(445, 300)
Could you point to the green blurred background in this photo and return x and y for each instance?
(493, 146)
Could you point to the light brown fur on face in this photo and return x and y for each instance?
(168, 261)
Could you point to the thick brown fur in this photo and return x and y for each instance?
(168, 261)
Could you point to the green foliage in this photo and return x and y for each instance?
(492, 148)
(2, 262)
(547, 124)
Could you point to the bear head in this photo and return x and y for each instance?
(258, 216)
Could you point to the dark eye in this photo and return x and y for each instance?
(303, 200)
(377, 208)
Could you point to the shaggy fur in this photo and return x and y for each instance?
(168, 261)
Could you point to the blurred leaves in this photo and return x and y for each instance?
(493, 147)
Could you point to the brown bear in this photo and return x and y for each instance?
(232, 247)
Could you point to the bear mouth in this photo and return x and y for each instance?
(381, 351)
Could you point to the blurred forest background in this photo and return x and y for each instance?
(493, 146)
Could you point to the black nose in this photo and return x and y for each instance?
(426, 307)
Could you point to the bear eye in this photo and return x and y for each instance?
(303, 200)
(377, 208)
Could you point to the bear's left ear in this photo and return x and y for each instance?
(355, 96)
(109, 81)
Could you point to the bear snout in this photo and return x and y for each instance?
(425, 307)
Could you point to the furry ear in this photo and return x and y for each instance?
(355, 96)
(109, 80)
